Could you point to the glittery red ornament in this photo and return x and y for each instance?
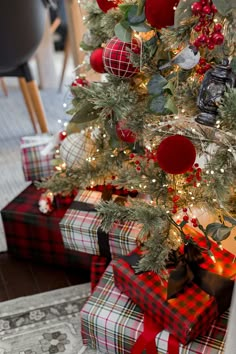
(176, 154)
(160, 13)
(62, 135)
(96, 60)
(80, 81)
(116, 57)
(106, 5)
(124, 133)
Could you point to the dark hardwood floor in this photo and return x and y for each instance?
(21, 277)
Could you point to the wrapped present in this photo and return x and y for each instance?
(36, 236)
(37, 154)
(111, 323)
(98, 267)
(190, 312)
(81, 229)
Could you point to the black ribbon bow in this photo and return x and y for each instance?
(188, 270)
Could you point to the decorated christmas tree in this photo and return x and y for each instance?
(160, 123)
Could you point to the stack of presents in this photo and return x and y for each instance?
(126, 312)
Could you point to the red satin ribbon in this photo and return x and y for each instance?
(146, 340)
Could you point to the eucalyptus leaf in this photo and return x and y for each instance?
(123, 31)
(110, 128)
(183, 11)
(169, 87)
(85, 113)
(141, 27)
(229, 219)
(141, 4)
(114, 142)
(133, 16)
(124, 8)
(170, 106)
(157, 104)
(224, 7)
(156, 84)
(76, 127)
(151, 45)
(218, 232)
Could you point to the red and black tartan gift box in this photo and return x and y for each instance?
(35, 163)
(111, 323)
(193, 310)
(81, 230)
(33, 235)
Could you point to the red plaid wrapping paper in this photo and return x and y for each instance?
(98, 267)
(79, 229)
(35, 165)
(111, 323)
(33, 235)
(188, 315)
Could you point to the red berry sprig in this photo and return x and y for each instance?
(186, 218)
(209, 34)
(175, 198)
(202, 66)
(132, 156)
(194, 175)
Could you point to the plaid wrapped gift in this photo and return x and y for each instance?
(81, 231)
(193, 310)
(111, 323)
(98, 267)
(35, 164)
(33, 235)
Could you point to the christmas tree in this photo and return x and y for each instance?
(161, 123)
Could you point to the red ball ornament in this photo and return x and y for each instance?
(124, 133)
(106, 5)
(96, 61)
(62, 135)
(80, 81)
(176, 154)
(160, 13)
(116, 57)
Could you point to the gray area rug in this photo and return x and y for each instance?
(47, 323)
(15, 123)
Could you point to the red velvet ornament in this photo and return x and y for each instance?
(106, 5)
(176, 154)
(125, 134)
(160, 13)
(116, 57)
(96, 60)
